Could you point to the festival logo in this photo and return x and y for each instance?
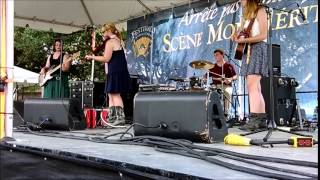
(142, 39)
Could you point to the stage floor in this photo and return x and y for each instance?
(169, 165)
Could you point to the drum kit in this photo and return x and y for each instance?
(195, 83)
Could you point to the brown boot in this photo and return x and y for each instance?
(119, 116)
(262, 120)
(111, 114)
(256, 121)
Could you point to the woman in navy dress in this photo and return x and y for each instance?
(118, 78)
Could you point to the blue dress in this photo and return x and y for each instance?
(118, 78)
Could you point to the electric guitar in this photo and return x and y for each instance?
(44, 78)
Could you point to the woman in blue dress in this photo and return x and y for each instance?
(118, 78)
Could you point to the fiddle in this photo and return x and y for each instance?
(94, 49)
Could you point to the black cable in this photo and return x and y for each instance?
(232, 166)
(202, 155)
(261, 158)
(265, 166)
(135, 140)
(138, 125)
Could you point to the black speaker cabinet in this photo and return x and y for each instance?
(284, 96)
(99, 97)
(196, 116)
(128, 99)
(276, 59)
(82, 91)
(57, 114)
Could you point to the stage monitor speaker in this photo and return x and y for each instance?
(196, 116)
(56, 114)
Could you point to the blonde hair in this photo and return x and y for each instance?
(251, 9)
(112, 28)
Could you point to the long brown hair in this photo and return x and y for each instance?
(54, 44)
(251, 9)
(112, 28)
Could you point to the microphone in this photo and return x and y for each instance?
(304, 19)
(225, 2)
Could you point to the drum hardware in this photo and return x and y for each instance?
(177, 79)
(197, 82)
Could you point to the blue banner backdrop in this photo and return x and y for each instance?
(161, 46)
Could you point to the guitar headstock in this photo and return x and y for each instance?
(75, 55)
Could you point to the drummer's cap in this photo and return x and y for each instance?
(219, 50)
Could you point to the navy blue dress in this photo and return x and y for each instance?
(118, 78)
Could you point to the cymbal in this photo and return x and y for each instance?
(201, 64)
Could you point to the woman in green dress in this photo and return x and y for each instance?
(52, 86)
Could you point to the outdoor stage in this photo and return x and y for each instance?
(155, 164)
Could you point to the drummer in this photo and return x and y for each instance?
(223, 82)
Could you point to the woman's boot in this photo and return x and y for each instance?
(119, 116)
(262, 120)
(111, 114)
(253, 123)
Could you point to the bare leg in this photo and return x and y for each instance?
(257, 117)
(111, 103)
(117, 100)
(257, 104)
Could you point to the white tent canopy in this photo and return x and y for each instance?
(23, 76)
(71, 15)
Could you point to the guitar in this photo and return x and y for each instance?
(44, 78)
(240, 47)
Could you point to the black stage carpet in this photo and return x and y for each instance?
(16, 165)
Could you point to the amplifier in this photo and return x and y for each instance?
(82, 91)
(284, 96)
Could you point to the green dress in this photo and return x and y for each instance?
(52, 87)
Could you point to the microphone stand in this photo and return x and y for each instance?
(271, 121)
(233, 85)
(60, 71)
